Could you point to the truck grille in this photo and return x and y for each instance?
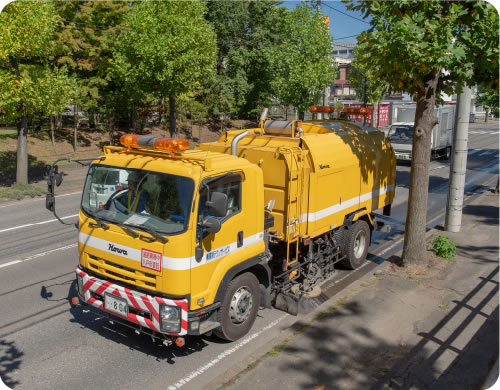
(120, 272)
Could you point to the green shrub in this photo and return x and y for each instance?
(443, 247)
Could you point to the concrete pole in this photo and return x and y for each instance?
(458, 165)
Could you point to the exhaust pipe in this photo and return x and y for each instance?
(234, 143)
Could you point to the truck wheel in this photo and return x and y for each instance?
(357, 244)
(447, 153)
(239, 308)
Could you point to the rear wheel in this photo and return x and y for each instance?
(239, 308)
(357, 244)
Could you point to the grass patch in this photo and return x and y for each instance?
(20, 191)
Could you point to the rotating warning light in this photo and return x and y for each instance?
(148, 142)
(321, 109)
(353, 110)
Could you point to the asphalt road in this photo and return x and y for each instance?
(46, 343)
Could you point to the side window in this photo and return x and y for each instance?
(229, 185)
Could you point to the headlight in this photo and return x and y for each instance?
(170, 319)
(79, 281)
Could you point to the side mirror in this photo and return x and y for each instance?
(198, 253)
(211, 225)
(49, 202)
(217, 206)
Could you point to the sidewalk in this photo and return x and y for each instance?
(395, 329)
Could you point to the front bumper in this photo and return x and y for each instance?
(143, 308)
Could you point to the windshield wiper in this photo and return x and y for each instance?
(154, 233)
(99, 223)
(133, 233)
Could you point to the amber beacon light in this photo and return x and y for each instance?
(321, 109)
(148, 142)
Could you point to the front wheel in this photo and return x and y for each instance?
(239, 308)
(357, 244)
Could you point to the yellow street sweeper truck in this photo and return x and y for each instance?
(176, 242)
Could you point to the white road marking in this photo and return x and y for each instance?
(38, 255)
(438, 167)
(485, 153)
(36, 223)
(474, 151)
(36, 200)
(10, 263)
(226, 353)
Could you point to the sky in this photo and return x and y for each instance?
(341, 25)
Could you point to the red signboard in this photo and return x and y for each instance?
(383, 114)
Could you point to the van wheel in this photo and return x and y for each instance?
(239, 308)
(357, 244)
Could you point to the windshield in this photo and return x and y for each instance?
(138, 198)
(401, 134)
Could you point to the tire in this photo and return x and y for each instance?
(447, 153)
(357, 244)
(239, 307)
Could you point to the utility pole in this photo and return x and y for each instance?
(458, 166)
(325, 91)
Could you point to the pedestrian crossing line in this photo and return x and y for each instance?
(483, 132)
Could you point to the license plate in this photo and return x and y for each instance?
(402, 156)
(116, 305)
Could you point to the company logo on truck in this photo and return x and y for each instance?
(115, 249)
(224, 251)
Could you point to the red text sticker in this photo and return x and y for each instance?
(151, 260)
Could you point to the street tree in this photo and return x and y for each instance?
(167, 47)
(302, 64)
(369, 88)
(488, 98)
(424, 48)
(27, 84)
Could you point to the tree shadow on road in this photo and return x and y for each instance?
(10, 360)
(340, 350)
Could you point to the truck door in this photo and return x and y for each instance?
(222, 250)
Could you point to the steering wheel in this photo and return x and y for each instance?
(112, 201)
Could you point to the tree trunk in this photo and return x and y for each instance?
(486, 116)
(22, 150)
(160, 111)
(414, 250)
(52, 119)
(171, 104)
(22, 137)
(110, 129)
(75, 123)
(301, 115)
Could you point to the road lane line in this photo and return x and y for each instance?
(181, 382)
(39, 255)
(36, 223)
(10, 263)
(36, 200)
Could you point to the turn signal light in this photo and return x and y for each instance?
(179, 341)
(321, 109)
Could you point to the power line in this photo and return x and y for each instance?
(350, 36)
(343, 13)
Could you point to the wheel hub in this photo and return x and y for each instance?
(241, 305)
(359, 244)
